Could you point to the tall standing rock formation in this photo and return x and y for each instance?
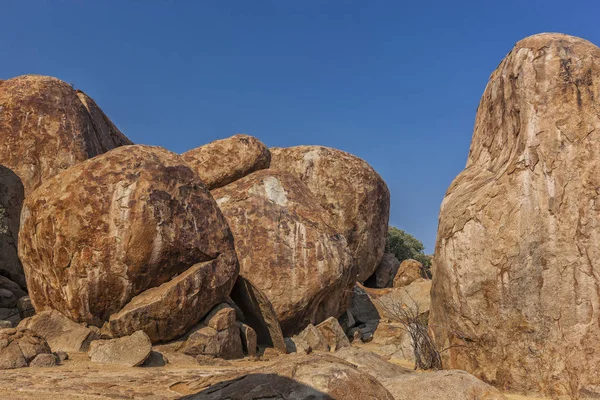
(132, 235)
(516, 278)
(350, 190)
(46, 126)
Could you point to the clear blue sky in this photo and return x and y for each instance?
(394, 82)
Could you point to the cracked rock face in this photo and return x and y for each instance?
(355, 196)
(288, 248)
(516, 276)
(96, 237)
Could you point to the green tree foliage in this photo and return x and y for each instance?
(404, 246)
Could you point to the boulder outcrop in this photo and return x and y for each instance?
(46, 126)
(351, 191)
(18, 347)
(408, 272)
(288, 248)
(515, 272)
(223, 161)
(96, 237)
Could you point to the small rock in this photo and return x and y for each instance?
(5, 324)
(333, 333)
(61, 355)
(347, 321)
(25, 307)
(208, 341)
(409, 271)
(270, 353)
(221, 317)
(155, 359)
(60, 332)
(19, 346)
(130, 351)
(249, 339)
(355, 335)
(297, 345)
(314, 338)
(7, 298)
(366, 337)
(43, 360)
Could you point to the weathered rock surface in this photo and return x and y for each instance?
(408, 272)
(249, 339)
(259, 313)
(390, 302)
(406, 385)
(103, 232)
(205, 340)
(362, 308)
(25, 307)
(43, 360)
(46, 126)
(298, 377)
(287, 247)
(223, 161)
(297, 345)
(333, 333)
(60, 332)
(19, 346)
(350, 190)
(314, 338)
(386, 271)
(11, 201)
(130, 351)
(515, 280)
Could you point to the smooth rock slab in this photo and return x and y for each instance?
(129, 351)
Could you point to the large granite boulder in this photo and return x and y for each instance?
(515, 281)
(350, 190)
(288, 248)
(46, 126)
(408, 271)
(223, 161)
(132, 232)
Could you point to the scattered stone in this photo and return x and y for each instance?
(386, 271)
(314, 338)
(355, 335)
(204, 359)
(61, 355)
(205, 340)
(282, 235)
(347, 321)
(270, 353)
(19, 346)
(350, 190)
(333, 333)
(60, 332)
(297, 345)
(25, 307)
(408, 272)
(5, 324)
(130, 351)
(80, 240)
(221, 317)
(155, 359)
(249, 341)
(259, 313)
(7, 298)
(224, 161)
(43, 360)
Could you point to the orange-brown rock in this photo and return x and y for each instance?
(223, 161)
(105, 231)
(515, 296)
(350, 190)
(288, 248)
(46, 126)
(408, 272)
